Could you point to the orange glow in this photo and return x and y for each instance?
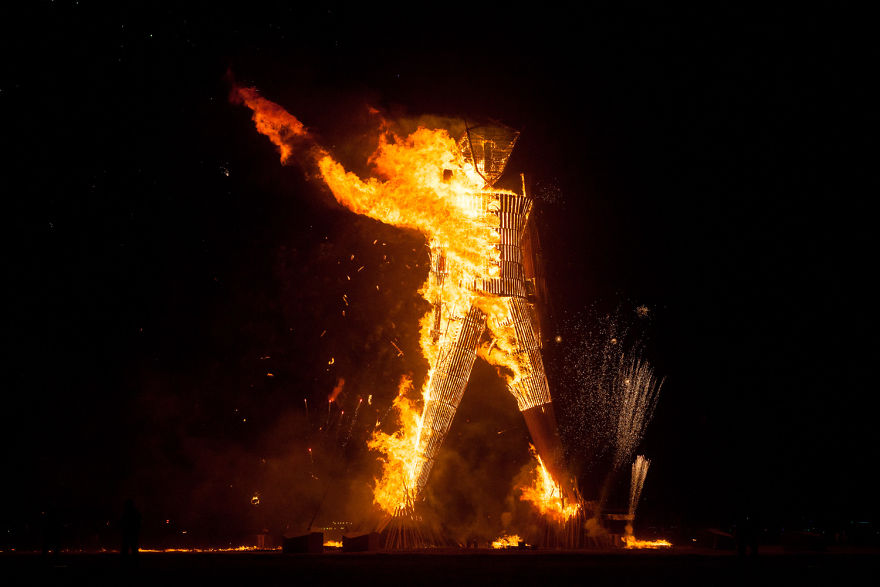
(545, 494)
(507, 541)
(631, 541)
(230, 549)
(333, 543)
(394, 487)
(422, 182)
(271, 120)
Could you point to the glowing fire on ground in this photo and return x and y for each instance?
(333, 543)
(545, 494)
(230, 549)
(421, 181)
(511, 541)
(394, 488)
(631, 541)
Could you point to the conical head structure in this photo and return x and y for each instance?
(487, 147)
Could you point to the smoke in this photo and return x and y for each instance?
(218, 432)
(470, 493)
(210, 490)
(404, 126)
(594, 528)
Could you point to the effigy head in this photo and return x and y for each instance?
(487, 148)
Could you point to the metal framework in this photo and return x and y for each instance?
(458, 331)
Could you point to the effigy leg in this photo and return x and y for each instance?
(445, 388)
(517, 347)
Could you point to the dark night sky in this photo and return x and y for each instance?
(712, 165)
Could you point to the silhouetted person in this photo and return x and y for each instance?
(131, 528)
(51, 532)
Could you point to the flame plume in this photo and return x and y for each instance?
(393, 491)
(272, 120)
(507, 541)
(631, 541)
(546, 495)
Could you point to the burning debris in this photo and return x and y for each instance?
(632, 542)
(511, 541)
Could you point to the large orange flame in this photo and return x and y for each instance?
(546, 495)
(631, 541)
(507, 541)
(423, 182)
(394, 489)
(272, 120)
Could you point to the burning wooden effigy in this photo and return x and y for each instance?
(480, 296)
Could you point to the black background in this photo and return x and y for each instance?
(714, 165)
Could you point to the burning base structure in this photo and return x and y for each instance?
(481, 298)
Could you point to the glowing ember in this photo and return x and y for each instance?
(230, 549)
(546, 495)
(507, 541)
(333, 543)
(632, 542)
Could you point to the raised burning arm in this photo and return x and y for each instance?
(411, 188)
(283, 128)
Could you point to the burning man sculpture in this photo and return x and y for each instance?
(477, 286)
(511, 320)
